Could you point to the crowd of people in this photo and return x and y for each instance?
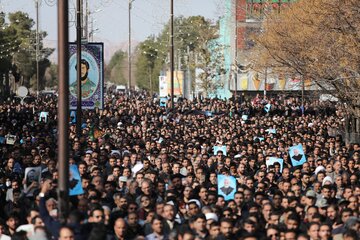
(150, 172)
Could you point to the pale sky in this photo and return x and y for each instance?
(111, 17)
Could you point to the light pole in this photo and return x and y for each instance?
(172, 51)
(265, 83)
(37, 47)
(129, 50)
(236, 51)
(63, 109)
(78, 69)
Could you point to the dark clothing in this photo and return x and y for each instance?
(51, 224)
(133, 232)
(227, 190)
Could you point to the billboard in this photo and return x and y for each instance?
(178, 82)
(92, 75)
(253, 81)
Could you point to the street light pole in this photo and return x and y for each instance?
(265, 84)
(129, 50)
(63, 109)
(236, 51)
(172, 51)
(302, 95)
(86, 27)
(37, 47)
(78, 67)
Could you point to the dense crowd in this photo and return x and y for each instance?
(150, 172)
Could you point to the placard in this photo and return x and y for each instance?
(226, 186)
(297, 155)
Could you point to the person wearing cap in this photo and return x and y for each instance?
(310, 198)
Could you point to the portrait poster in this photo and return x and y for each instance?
(163, 87)
(43, 116)
(92, 75)
(271, 131)
(10, 139)
(32, 174)
(208, 113)
(163, 101)
(267, 107)
(226, 186)
(75, 186)
(260, 139)
(72, 116)
(220, 148)
(297, 155)
(273, 160)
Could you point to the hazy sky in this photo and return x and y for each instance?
(111, 16)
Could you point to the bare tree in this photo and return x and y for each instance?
(318, 40)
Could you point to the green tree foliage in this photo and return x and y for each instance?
(50, 76)
(18, 39)
(211, 63)
(8, 44)
(193, 33)
(150, 60)
(114, 71)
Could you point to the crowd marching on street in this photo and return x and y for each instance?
(152, 172)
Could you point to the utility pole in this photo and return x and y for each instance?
(129, 50)
(63, 109)
(86, 27)
(187, 92)
(78, 67)
(236, 50)
(37, 47)
(302, 95)
(265, 82)
(172, 51)
(151, 87)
